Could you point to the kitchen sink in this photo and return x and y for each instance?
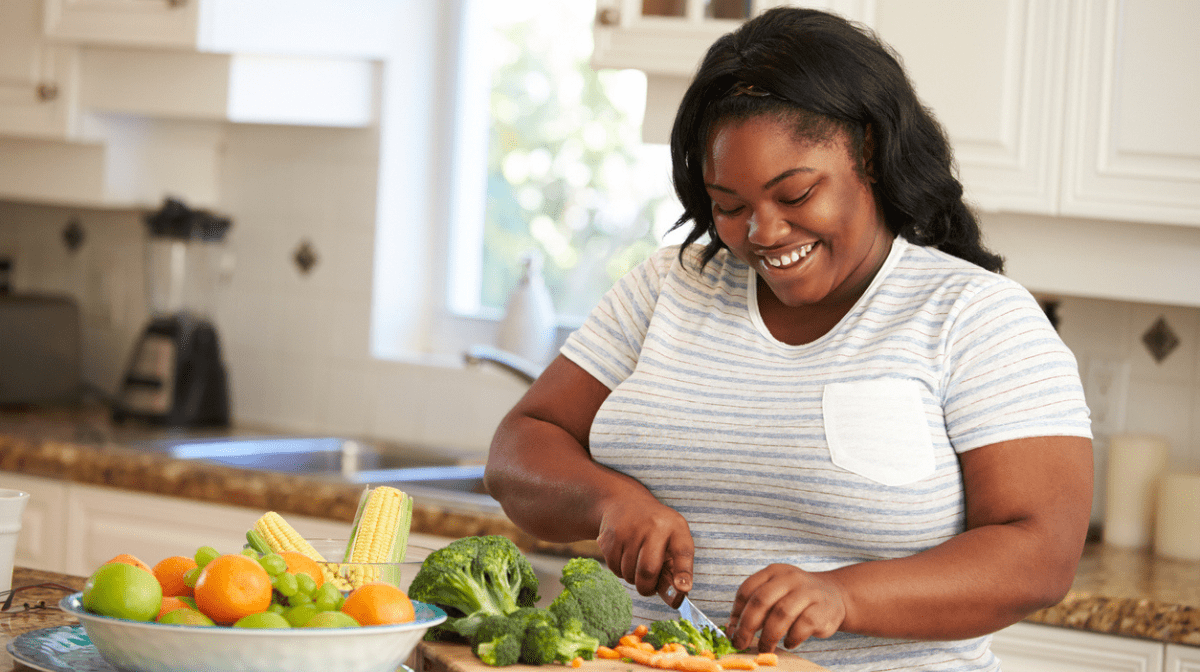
(422, 474)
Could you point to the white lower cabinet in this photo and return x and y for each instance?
(1182, 658)
(1028, 647)
(41, 543)
(103, 522)
(72, 528)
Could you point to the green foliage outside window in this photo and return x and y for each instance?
(568, 174)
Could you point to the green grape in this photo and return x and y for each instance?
(276, 608)
(305, 583)
(299, 599)
(250, 552)
(273, 563)
(286, 584)
(300, 614)
(327, 597)
(190, 577)
(205, 554)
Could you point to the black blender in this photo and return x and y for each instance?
(176, 376)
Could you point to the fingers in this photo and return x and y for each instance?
(785, 605)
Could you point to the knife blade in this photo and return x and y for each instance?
(690, 612)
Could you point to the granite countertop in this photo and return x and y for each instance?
(1116, 591)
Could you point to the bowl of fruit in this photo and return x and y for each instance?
(276, 604)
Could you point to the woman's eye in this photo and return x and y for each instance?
(726, 212)
(798, 200)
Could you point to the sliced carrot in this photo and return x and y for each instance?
(634, 653)
(606, 653)
(707, 654)
(647, 646)
(738, 664)
(641, 630)
(577, 661)
(698, 664)
(767, 659)
(629, 640)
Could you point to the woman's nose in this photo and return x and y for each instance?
(767, 227)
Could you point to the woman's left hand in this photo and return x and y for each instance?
(788, 604)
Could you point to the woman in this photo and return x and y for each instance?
(827, 417)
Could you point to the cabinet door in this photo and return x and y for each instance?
(1027, 647)
(103, 522)
(1132, 141)
(994, 82)
(159, 23)
(37, 79)
(41, 542)
(1182, 658)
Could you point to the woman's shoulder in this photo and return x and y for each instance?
(929, 264)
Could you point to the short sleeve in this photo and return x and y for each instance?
(1010, 376)
(609, 342)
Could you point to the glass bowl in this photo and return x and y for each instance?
(399, 574)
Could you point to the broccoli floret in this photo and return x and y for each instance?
(596, 598)
(550, 641)
(471, 578)
(497, 640)
(686, 633)
(661, 633)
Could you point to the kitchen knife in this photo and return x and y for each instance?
(692, 613)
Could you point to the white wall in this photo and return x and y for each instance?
(296, 345)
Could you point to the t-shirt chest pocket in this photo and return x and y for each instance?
(878, 429)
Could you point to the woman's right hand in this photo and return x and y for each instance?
(648, 544)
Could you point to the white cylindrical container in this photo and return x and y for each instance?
(1177, 526)
(12, 506)
(529, 324)
(1136, 464)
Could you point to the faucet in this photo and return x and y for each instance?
(518, 366)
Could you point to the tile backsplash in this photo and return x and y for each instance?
(297, 343)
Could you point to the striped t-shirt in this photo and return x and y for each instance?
(834, 452)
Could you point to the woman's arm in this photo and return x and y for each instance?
(541, 472)
(1028, 504)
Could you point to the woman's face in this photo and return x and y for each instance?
(798, 212)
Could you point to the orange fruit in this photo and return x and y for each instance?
(130, 560)
(378, 604)
(170, 604)
(299, 562)
(232, 586)
(170, 571)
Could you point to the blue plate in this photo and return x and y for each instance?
(65, 648)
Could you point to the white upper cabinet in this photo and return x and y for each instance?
(1133, 137)
(358, 28)
(1080, 108)
(37, 77)
(995, 82)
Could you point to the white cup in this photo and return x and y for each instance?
(12, 505)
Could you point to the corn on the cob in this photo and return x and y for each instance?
(272, 531)
(380, 531)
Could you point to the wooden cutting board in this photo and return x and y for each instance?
(443, 657)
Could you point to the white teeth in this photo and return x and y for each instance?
(790, 258)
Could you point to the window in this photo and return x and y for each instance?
(565, 174)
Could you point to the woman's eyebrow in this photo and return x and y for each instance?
(770, 183)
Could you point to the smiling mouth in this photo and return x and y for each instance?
(788, 258)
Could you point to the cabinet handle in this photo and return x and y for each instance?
(47, 91)
(609, 16)
(174, 4)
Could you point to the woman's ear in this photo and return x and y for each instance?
(868, 157)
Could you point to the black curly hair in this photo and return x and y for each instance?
(827, 75)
